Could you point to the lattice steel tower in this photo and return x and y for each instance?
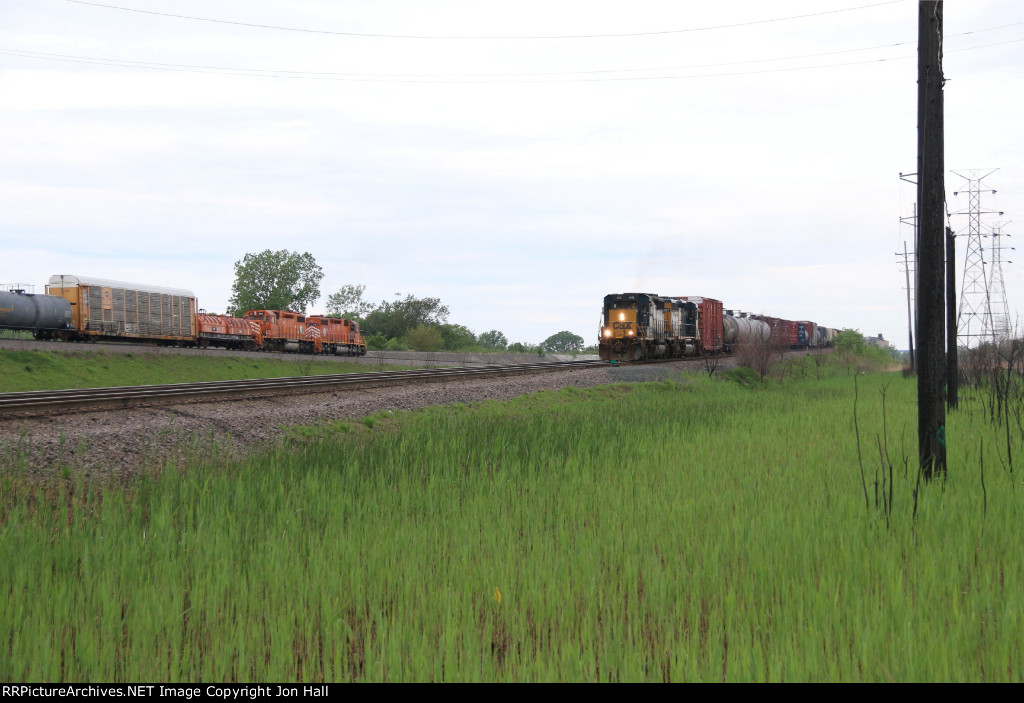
(975, 321)
(1000, 327)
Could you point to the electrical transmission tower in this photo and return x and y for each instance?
(999, 321)
(975, 322)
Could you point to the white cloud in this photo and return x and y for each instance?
(519, 203)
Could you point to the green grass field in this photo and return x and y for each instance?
(42, 370)
(693, 531)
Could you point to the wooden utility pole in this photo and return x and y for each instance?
(931, 279)
(952, 368)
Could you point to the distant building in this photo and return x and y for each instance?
(877, 342)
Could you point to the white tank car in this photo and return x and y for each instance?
(741, 330)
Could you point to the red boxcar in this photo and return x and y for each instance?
(709, 323)
(785, 333)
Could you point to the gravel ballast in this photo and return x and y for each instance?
(115, 442)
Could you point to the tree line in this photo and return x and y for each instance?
(287, 280)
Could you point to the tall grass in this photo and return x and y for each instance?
(44, 370)
(695, 531)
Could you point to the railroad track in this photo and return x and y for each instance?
(77, 400)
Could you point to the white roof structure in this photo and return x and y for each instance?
(68, 281)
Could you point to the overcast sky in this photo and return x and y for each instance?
(518, 161)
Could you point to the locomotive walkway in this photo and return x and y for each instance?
(78, 400)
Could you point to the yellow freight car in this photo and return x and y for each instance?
(112, 310)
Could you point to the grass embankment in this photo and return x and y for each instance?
(697, 531)
(43, 370)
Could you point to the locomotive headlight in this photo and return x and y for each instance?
(607, 332)
(622, 317)
(630, 333)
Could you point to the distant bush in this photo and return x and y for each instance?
(375, 342)
(424, 338)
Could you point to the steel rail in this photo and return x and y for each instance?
(84, 399)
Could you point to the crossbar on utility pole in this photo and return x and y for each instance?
(910, 308)
(931, 299)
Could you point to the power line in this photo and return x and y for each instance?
(399, 78)
(285, 73)
(258, 71)
(471, 78)
(496, 37)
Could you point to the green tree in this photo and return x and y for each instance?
(457, 337)
(850, 341)
(493, 340)
(562, 343)
(275, 280)
(398, 318)
(348, 302)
